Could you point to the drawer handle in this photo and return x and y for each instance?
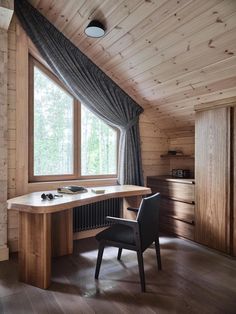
(189, 221)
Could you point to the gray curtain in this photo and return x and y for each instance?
(90, 85)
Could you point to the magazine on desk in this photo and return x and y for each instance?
(72, 189)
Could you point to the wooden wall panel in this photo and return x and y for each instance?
(168, 55)
(153, 144)
(21, 78)
(6, 11)
(233, 191)
(186, 144)
(12, 227)
(212, 178)
(3, 144)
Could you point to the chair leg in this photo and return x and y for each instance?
(141, 270)
(99, 260)
(119, 254)
(158, 253)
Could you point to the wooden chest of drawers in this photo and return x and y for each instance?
(177, 204)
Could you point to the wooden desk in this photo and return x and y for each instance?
(45, 227)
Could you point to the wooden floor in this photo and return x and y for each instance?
(193, 280)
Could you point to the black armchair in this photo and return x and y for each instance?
(136, 235)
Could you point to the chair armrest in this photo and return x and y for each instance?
(132, 209)
(127, 222)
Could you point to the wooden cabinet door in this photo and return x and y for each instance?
(212, 172)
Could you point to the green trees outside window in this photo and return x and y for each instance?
(53, 127)
(67, 141)
(98, 145)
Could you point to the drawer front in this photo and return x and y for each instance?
(177, 210)
(179, 191)
(177, 227)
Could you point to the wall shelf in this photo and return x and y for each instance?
(177, 156)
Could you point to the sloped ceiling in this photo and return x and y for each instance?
(168, 55)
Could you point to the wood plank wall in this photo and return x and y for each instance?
(11, 188)
(6, 11)
(154, 142)
(183, 140)
(3, 144)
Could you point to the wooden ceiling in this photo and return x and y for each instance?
(168, 55)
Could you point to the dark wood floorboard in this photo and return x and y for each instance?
(194, 279)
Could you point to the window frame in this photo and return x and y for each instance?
(77, 133)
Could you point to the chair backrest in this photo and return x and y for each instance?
(148, 219)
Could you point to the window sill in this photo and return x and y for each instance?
(47, 186)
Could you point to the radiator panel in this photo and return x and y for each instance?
(93, 215)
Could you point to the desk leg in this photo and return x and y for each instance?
(62, 233)
(35, 249)
(131, 201)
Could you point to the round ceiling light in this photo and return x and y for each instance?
(95, 29)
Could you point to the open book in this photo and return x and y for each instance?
(72, 189)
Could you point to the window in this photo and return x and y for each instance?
(66, 140)
(98, 145)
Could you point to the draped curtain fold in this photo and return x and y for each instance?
(90, 85)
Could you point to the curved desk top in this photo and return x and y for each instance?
(32, 203)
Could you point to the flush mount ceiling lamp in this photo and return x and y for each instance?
(95, 29)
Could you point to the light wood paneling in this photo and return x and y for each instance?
(186, 144)
(12, 226)
(233, 188)
(21, 177)
(222, 103)
(154, 143)
(6, 12)
(168, 55)
(3, 135)
(212, 178)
